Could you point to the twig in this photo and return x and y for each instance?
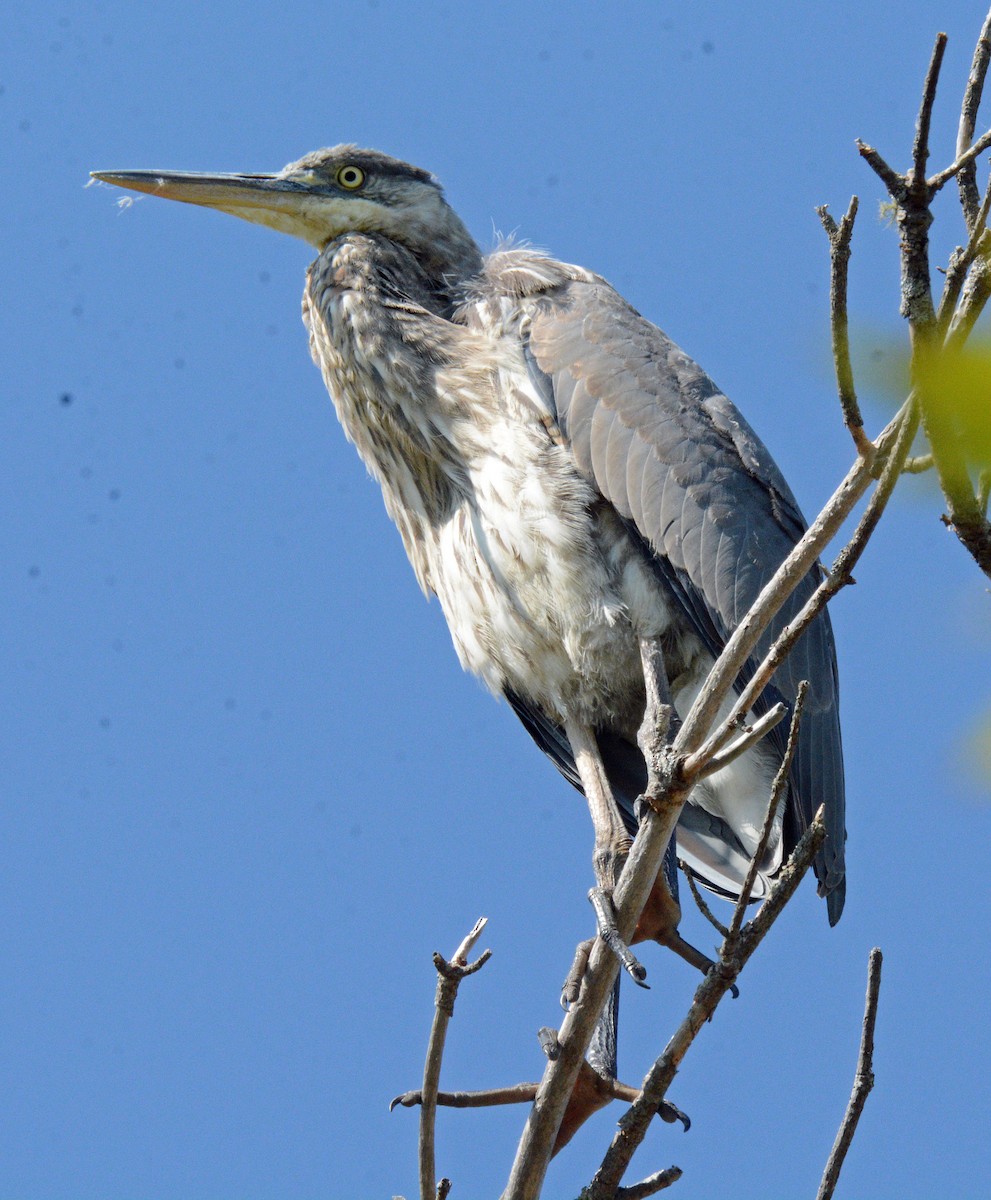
(699, 899)
(974, 296)
(449, 976)
(443, 1189)
(891, 179)
(967, 178)
(774, 803)
(790, 876)
(650, 1186)
(840, 237)
(917, 464)
(920, 147)
(862, 1083)
(752, 734)
(935, 182)
(765, 608)
(961, 262)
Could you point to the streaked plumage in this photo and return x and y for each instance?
(565, 480)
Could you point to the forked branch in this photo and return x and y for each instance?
(449, 976)
(938, 335)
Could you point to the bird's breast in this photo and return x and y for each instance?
(542, 588)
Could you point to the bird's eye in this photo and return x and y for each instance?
(351, 177)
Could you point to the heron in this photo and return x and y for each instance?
(575, 491)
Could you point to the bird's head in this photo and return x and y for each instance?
(328, 193)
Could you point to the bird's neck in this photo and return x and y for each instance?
(447, 253)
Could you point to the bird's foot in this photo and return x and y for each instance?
(670, 1113)
(605, 919)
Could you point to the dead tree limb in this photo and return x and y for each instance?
(938, 334)
(862, 1084)
(449, 976)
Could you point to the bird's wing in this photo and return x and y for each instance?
(698, 487)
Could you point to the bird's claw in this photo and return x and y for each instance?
(670, 1113)
(605, 919)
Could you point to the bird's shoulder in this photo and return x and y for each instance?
(595, 359)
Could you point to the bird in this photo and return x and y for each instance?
(572, 488)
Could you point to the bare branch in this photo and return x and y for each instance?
(449, 976)
(443, 1189)
(840, 237)
(972, 527)
(752, 734)
(974, 297)
(920, 147)
(917, 464)
(967, 178)
(460, 956)
(774, 802)
(650, 1186)
(790, 876)
(699, 899)
(862, 1084)
(955, 167)
(894, 182)
(524, 1093)
(961, 261)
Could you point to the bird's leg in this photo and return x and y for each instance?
(612, 842)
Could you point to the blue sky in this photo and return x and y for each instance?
(247, 788)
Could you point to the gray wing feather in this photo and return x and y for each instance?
(691, 478)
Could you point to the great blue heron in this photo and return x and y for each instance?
(568, 483)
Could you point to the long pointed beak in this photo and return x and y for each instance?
(284, 204)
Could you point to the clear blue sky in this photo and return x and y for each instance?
(247, 789)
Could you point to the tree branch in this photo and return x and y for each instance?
(449, 976)
(774, 801)
(840, 237)
(650, 1186)
(961, 261)
(967, 178)
(752, 734)
(894, 182)
(862, 1084)
(905, 426)
(920, 147)
(699, 899)
(955, 167)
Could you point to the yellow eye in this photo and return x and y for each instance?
(350, 177)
